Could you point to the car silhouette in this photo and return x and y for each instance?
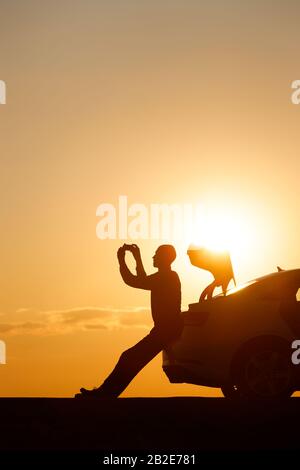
(241, 340)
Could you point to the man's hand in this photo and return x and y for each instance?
(135, 251)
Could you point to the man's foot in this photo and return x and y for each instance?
(94, 393)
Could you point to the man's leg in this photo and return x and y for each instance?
(130, 363)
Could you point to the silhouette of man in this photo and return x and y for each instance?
(165, 290)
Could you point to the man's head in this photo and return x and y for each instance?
(164, 256)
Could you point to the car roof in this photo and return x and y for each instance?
(293, 273)
(284, 275)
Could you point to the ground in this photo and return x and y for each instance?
(210, 428)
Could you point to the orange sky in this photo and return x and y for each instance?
(165, 102)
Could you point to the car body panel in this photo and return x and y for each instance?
(216, 329)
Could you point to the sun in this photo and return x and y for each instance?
(223, 229)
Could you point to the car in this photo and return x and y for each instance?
(241, 340)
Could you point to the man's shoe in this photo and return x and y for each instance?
(94, 393)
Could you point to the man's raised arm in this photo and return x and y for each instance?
(141, 280)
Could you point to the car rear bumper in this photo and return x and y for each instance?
(178, 373)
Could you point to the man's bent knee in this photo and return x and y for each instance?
(126, 356)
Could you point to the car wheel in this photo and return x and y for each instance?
(263, 370)
(230, 391)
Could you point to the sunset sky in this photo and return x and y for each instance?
(183, 102)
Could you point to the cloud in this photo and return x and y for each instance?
(75, 319)
(135, 318)
(20, 327)
(5, 327)
(77, 315)
(94, 327)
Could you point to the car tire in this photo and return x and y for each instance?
(230, 391)
(262, 370)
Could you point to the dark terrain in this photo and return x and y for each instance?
(87, 430)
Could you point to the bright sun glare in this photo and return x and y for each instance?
(224, 229)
